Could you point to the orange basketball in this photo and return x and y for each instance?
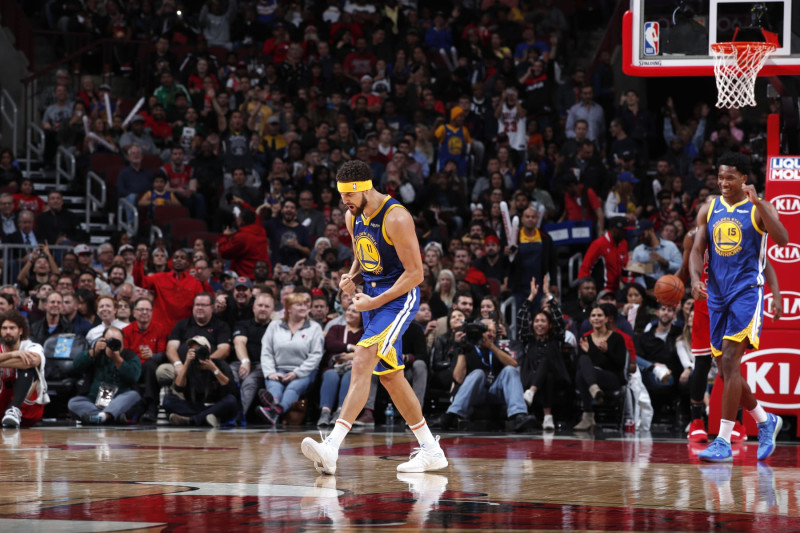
(669, 290)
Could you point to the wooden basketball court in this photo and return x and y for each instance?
(164, 479)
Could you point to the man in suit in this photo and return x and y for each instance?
(25, 233)
(7, 218)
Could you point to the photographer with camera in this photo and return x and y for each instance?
(115, 372)
(210, 392)
(486, 374)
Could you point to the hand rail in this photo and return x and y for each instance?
(13, 120)
(37, 149)
(155, 233)
(512, 321)
(69, 173)
(93, 203)
(572, 272)
(126, 210)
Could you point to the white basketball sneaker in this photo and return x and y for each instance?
(12, 418)
(323, 454)
(423, 459)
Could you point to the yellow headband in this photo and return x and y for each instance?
(354, 186)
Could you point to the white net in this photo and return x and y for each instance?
(736, 67)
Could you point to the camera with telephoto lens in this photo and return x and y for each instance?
(202, 353)
(474, 332)
(114, 344)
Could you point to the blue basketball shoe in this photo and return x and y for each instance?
(718, 451)
(767, 431)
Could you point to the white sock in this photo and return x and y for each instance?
(423, 434)
(340, 429)
(725, 428)
(758, 414)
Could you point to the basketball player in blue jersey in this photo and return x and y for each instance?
(734, 228)
(390, 266)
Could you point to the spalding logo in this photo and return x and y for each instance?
(791, 305)
(784, 254)
(787, 204)
(772, 374)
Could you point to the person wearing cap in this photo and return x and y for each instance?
(374, 102)
(174, 291)
(662, 255)
(607, 255)
(493, 263)
(454, 140)
(202, 323)
(208, 392)
(137, 136)
(239, 306)
(621, 201)
(115, 371)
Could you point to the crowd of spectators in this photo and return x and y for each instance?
(461, 113)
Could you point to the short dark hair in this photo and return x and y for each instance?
(16, 317)
(464, 294)
(355, 170)
(737, 160)
(586, 279)
(609, 309)
(205, 295)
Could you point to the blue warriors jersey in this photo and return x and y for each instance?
(453, 146)
(736, 250)
(374, 250)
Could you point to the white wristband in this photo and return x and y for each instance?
(177, 363)
(246, 361)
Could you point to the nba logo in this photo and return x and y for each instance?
(651, 31)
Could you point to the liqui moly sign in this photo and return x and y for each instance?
(784, 169)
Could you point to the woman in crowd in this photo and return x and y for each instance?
(445, 352)
(340, 345)
(160, 261)
(600, 363)
(443, 292)
(543, 366)
(433, 258)
(490, 308)
(107, 314)
(289, 361)
(26, 199)
(636, 308)
(87, 306)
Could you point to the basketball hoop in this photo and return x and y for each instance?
(736, 67)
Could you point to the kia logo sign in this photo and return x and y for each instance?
(791, 305)
(787, 204)
(784, 254)
(773, 375)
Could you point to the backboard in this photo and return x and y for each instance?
(673, 37)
